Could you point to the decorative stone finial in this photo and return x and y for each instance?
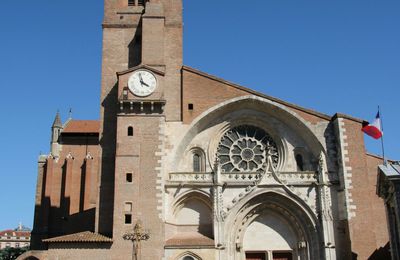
(69, 156)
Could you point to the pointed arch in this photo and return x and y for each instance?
(264, 108)
(193, 193)
(192, 212)
(188, 255)
(279, 216)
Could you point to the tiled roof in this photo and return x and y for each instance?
(6, 232)
(82, 126)
(15, 233)
(86, 236)
(189, 239)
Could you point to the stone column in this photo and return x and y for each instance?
(325, 208)
(219, 215)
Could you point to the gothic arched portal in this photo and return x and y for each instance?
(272, 223)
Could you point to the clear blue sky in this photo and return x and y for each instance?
(331, 56)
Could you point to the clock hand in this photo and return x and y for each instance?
(140, 78)
(144, 83)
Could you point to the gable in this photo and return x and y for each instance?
(204, 91)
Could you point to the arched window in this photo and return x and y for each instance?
(196, 162)
(197, 159)
(299, 162)
(130, 131)
(188, 257)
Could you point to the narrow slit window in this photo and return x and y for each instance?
(130, 131)
(299, 162)
(129, 178)
(128, 219)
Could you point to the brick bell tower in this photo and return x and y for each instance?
(140, 92)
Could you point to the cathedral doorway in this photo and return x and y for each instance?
(255, 256)
(271, 234)
(269, 256)
(272, 226)
(282, 256)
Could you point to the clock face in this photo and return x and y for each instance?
(142, 83)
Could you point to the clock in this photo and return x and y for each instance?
(142, 83)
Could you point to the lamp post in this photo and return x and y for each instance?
(136, 237)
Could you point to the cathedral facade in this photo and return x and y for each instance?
(183, 165)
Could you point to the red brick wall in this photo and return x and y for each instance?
(61, 206)
(378, 208)
(140, 155)
(205, 92)
(368, 230)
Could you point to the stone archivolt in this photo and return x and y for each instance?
(250, 178)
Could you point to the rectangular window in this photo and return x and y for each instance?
(190, 106)
(131, 2)
(128, 219)
(129, 178)
(128, 207)
(140, 2)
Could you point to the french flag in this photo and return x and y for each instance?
(375, 129)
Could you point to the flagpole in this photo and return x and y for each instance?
(383, 147)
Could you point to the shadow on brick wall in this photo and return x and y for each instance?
(382, 253)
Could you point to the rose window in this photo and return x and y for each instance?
(246, 149)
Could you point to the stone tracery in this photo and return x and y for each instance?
(246, 148)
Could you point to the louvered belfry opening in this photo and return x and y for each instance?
(136, 2)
